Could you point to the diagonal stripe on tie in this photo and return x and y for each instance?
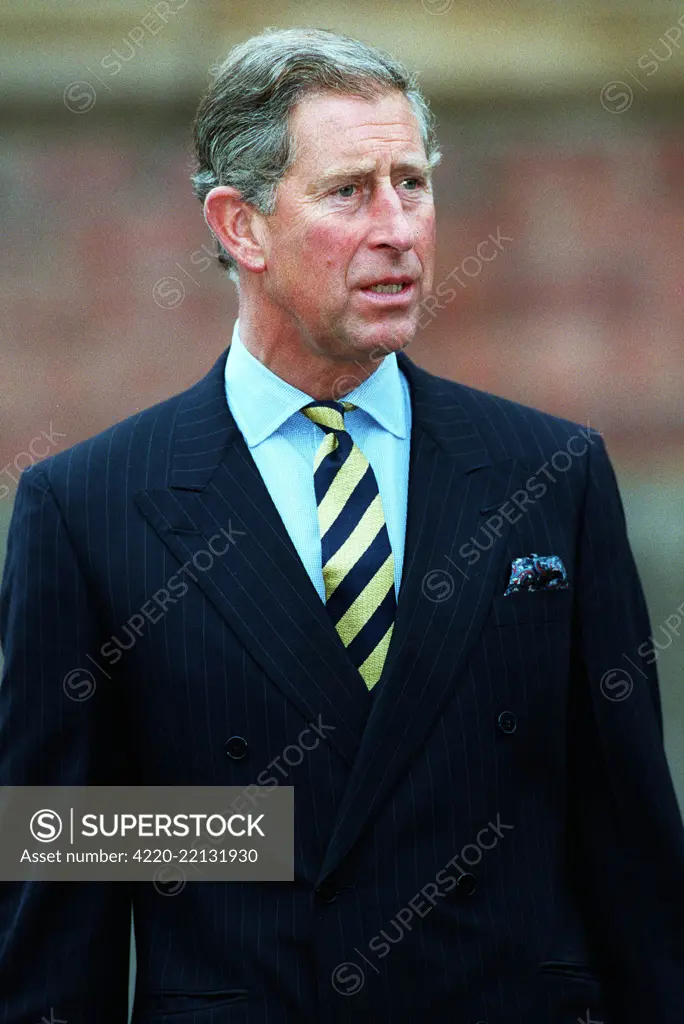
(358, 576)
(352, 549)
(356, 556)
(337, 494)
(371, 668)
(367, 603)
(370, 641)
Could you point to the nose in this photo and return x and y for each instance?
(392, 224)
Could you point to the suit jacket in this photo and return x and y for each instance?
(490, 836)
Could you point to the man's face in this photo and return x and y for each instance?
(355, 208)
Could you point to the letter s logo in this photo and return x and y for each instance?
(46, 826)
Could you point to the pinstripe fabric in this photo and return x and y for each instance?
(567, 821)
(356, 557)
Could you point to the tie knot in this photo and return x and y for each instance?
(328, 415)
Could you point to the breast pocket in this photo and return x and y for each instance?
(169, 1006)
(537, 606)
(571, 992)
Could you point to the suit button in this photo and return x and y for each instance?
(236, 747)
(327, 893)
(507, 721)
(466, 883)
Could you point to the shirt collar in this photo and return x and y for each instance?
(261, 401)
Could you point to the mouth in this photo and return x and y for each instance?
(390, 294)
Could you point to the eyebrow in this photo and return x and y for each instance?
(420, 167)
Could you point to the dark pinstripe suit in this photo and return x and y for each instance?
(490, 753)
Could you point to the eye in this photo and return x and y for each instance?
(418, 182)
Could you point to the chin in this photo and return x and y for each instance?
(391, 338)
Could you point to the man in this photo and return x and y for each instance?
(434, 579)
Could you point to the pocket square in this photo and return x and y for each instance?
(537, 572)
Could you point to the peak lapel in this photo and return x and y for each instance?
(257, 582)
(442, 599)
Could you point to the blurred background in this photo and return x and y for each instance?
(561, 127)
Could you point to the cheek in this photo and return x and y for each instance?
(428, 233)
(426, 250)
(327, 250)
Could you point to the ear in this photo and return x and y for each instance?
(233, 222)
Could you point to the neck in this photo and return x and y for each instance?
(300, 361)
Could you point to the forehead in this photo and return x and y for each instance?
(334, 127)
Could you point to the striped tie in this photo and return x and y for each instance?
(357, 560)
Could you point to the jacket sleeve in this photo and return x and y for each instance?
(64, 946)
(626, 839)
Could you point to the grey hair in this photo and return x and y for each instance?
(241, 127)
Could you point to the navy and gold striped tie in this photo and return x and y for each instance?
(357, 560)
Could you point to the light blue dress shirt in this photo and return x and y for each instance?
(283, 443)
